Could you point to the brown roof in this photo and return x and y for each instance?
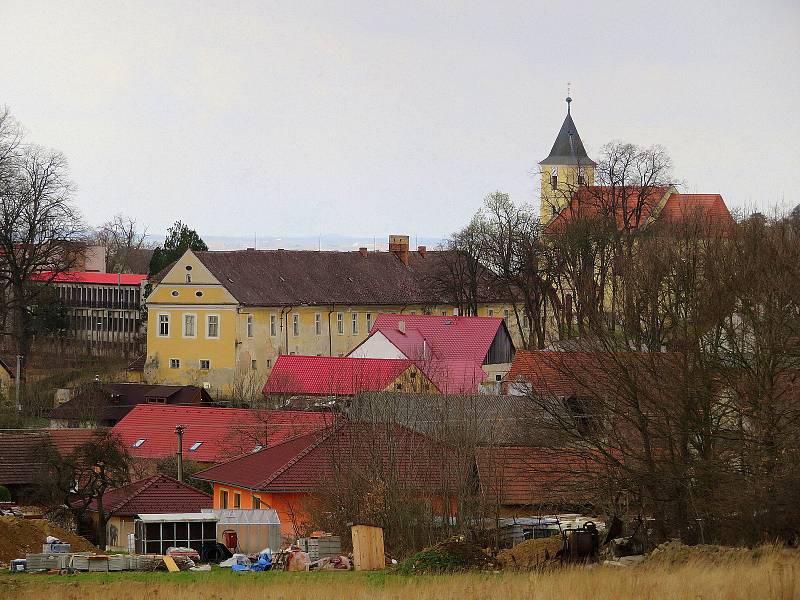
(154, 495)
(20, 453)
(113, 401)
(295, 277)
(304, 463)
(533, 476)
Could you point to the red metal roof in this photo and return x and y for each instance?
(303, 464)
(444, 337)
(224, 432)
(90, 277)
(332, 375)
(154, 495)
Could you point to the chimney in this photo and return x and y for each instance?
(401, 326)
(179, 431)
(398, 245)
(363, 252)
(422, 251)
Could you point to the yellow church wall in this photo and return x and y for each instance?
(567, 183)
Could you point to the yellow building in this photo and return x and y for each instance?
(566, 168)
(220, 319)
(6, 380)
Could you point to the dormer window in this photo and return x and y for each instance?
(195, 446)
(139, 442)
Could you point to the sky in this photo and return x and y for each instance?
(368, 118)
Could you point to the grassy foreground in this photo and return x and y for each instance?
(772, 577)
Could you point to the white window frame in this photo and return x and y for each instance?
(368, 321)
(273, 325)
(354, 323)
(340, 323)
(206, 360)
(506, 315)
(253, 364)
(295, 325)
(177, 362)
(208, 324)
(489, 312)
(183, 329)
(250, 325)
(318, 324)
(167, 322)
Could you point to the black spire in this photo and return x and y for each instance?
(568, 148)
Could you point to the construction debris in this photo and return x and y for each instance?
(532, 554)
(19, 537)
(453, 555)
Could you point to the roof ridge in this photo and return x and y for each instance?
(300, 455)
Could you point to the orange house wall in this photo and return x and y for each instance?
(288, 505)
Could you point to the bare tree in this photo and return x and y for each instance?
(124, 242)
(41, 231)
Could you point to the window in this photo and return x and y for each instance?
(273, 325)
(188, 278)
(254, 365)
(195, 446)
(269, 363)
(295, 324)
(237, 500)
(354, 318)
(257, 448)
(174, 363)
(581, 176)
(205, 364)
(505, 316)
(490, 312)
(198, 294)
(444, 313)
(249, 325)
(368, 318)
(554, 178)
(213, 326)
(223, 498)
(189, 326)
(163, 325)
(139, 442)
(318, 324)
(340, 323)
(256, 502)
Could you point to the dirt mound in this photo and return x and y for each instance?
(676, 553)
(451, 556)
(19, 537)
(531, 554)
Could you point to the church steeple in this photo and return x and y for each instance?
(566, 168)
(568, 148)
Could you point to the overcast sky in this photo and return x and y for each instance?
(367, 118)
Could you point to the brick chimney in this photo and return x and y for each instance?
(398, 245)
(363, 252)
(422, 251)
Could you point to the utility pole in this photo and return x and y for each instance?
(179, 431)
(17, 382)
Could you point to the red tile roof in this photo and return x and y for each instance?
(534, 476)
(225, 432)
(303, 464)
(634, 207)
(154, 495)
(332, 375)
(709, 208)
(550, 373)
(90, 277)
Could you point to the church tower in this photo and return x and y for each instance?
(565, 169)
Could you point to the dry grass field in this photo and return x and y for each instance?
(774, 576)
